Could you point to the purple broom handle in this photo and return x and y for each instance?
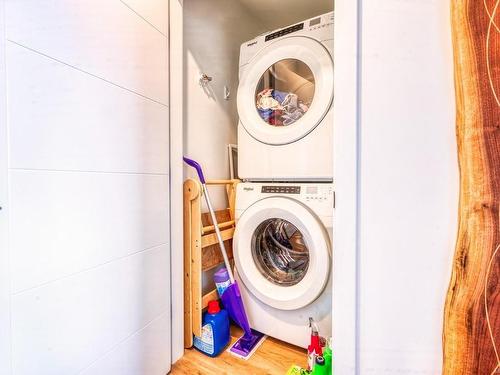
(196, 166)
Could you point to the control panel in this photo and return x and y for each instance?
(306, 192)
(315, 193)
(319, 28)
(276, 189)
(283, 32)
(321, 22)
(319, 197)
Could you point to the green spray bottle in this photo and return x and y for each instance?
(320, 366)
(327, 355)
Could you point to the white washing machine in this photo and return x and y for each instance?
(282, 254)
(285, 96)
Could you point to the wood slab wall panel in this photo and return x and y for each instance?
(67, 222)
(64, 327)
(104, 38)
(471, 340)
(78, 122)
(155, 12)
(152, 342)
(408, 185)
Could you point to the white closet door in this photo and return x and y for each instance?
(89, 188)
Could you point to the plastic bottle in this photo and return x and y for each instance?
(327, 354)
(221, 279)
(314, 349)
(320, 366)
(214, 332)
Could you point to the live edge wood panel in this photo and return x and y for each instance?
(201, 250)
(472, 313)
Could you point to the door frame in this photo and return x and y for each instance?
(346, 146)
(5, 304)
(176, 67)
(347, 87)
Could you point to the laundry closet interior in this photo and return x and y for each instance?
(257, 93)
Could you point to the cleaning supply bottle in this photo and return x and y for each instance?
(222, 281)
(320, 366)
(214, 332)
(327, 354)
(314, 349)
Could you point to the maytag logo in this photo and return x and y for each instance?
(249, 45)
(248, 189)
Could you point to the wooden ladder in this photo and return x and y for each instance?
(201, 250)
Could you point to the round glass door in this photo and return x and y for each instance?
(280, 252)
(285, 92)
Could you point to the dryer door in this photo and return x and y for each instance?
(286, 90)
(282, 253)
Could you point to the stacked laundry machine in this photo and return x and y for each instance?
(284, 206)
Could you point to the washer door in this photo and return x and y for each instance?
(282, 253)
(286, 90)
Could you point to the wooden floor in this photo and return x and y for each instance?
(272, 357)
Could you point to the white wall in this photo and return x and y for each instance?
(408, 180)
(213, 33)
(88, 149)
(4, 253)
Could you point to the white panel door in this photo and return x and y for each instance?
(102, 37)
(79, 122)
(67, 222)
(63, 327)
(155, 12)
(151, 342)
(89, 187)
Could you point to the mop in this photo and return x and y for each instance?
(247, 344)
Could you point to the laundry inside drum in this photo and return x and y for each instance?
(285, 92)
(280, 252)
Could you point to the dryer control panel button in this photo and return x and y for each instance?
(283, 32)
(270, 189)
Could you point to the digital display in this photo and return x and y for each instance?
(315, 21)
(312, 190)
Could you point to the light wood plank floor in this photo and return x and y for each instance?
(272, 357)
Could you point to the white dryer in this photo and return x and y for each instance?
(282, 255)
(285, 96)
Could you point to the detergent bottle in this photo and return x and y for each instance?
(214, 332)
